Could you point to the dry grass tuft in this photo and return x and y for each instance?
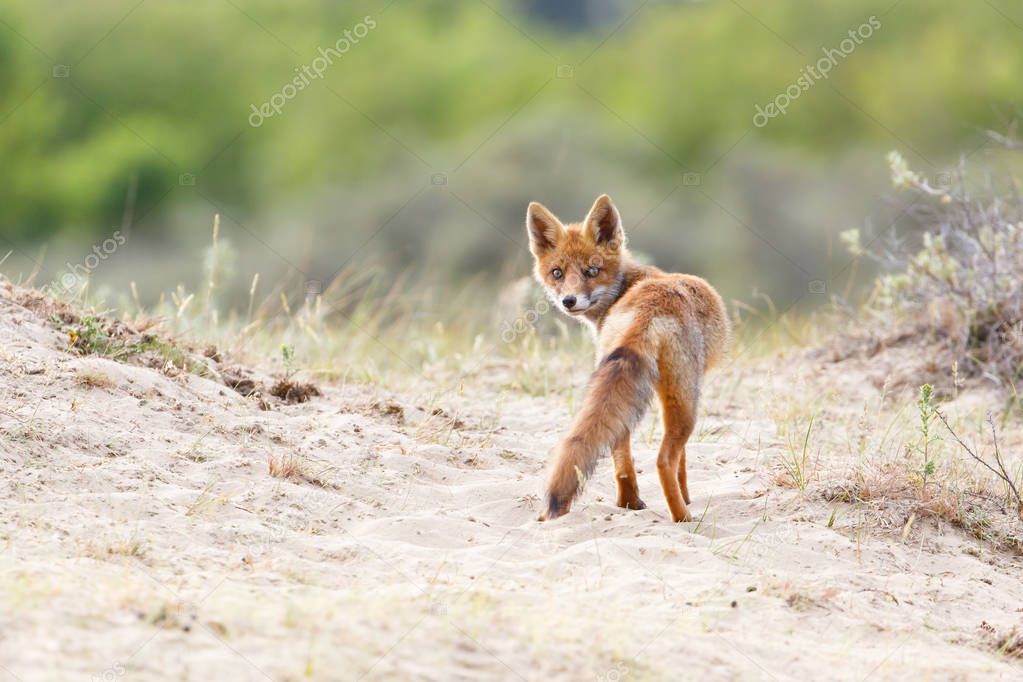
(240, 380)
(389, 408)
(1007, 643)
(291, 391)
(895, 486)
(896, 498)
(128, 548)
(92, 378)
(287, 467)
(295, 469)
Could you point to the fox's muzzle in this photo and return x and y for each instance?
(575, 303)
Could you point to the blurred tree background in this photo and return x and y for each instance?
(416, 152)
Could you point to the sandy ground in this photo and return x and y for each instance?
(142, 538)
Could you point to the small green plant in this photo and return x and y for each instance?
(93, 336)
(288, 358)
(928, 411)
(89, 337)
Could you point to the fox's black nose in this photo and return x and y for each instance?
(568, 302)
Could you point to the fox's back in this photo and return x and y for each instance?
(677, 309)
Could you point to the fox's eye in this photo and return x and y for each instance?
(592, 271)
(556, 273)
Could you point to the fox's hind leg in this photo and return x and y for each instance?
(625, 476)
(678, 425)
(682, 483)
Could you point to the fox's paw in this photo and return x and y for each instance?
(635, 504)
(682, 517)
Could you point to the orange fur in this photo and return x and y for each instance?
(656, 332)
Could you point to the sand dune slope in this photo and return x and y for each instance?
(143, 538)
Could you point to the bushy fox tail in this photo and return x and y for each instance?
(620, 391)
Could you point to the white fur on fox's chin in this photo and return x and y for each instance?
(576, 309)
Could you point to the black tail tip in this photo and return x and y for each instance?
(556, 506)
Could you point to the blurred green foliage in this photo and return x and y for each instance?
(155, 90)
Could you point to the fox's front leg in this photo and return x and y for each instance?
(625, 476)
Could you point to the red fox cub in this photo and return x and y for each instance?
(655, 331)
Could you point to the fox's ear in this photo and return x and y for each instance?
(604, 224)
(543, 227)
